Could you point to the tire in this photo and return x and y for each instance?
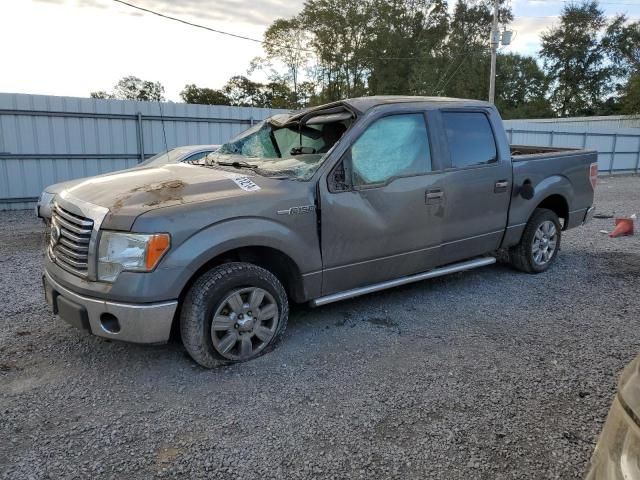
(531, 258)
(225, 292)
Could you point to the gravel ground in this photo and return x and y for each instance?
(486, 374)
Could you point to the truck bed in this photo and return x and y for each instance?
(525, 152)
(565, 171)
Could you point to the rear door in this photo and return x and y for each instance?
(386, 222)
(478, 184)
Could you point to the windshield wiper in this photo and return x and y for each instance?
(237, 164)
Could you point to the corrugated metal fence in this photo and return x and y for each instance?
(609, 121)
(46, 139)
(618, 149)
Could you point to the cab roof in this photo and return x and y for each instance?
(362, 104)
(359, 105)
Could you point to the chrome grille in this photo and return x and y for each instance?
(70, 237)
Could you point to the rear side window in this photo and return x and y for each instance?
(393, 146)
(470, 138)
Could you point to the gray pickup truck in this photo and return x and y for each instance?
(318, 206)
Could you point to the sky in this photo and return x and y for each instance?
(73, 47)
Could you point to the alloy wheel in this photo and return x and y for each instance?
(545, 242)
(244, 323)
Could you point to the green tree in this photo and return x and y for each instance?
(240, 91)
(204, 96)
(578, 58)
(287, 42)
(134, 88)
(278, 95)
(393, 47)
(623, 45)
(406, 42)
(464, 71)
(102, 94)
(243, 92)
(521, 88)
(630, 98)
(340, 31)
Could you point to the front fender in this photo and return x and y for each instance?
(299, 244)
(228, 235)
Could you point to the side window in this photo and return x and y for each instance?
(196, 156)
(390, 147)
(470, 138)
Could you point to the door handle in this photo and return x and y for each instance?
(434, 196)
(500, 186)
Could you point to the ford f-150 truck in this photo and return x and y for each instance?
(316, 206)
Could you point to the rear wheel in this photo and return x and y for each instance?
(539, 244)
(233, 313)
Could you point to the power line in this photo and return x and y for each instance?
(441, 90)
(175, 19)
(446, 72)
(263, 42)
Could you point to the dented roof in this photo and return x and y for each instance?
(360, 105)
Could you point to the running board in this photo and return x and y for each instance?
(376, 287)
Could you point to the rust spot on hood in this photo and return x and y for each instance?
(161, 186)
(162, 192)
(157, 193)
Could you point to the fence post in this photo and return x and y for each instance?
(551, 139)
(510, 135)
(613, 153)
(584, 140)
(638, 156)
(140, 137)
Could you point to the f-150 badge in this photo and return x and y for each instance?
(298, 210)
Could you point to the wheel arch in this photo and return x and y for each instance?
(558, 204)
(272, 259)
(554, 193)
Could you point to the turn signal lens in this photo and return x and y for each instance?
(158, 245)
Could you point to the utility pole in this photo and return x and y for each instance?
(495, 41)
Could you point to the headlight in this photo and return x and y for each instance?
(129, 251)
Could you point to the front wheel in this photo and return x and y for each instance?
(539, 244)
(233, 313)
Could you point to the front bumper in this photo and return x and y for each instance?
(129, 322)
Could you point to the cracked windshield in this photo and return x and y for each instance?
(294, 151)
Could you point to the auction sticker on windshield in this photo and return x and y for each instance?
(245, 183)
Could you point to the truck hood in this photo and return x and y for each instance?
(131, 193)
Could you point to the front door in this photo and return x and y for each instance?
(387, 221)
